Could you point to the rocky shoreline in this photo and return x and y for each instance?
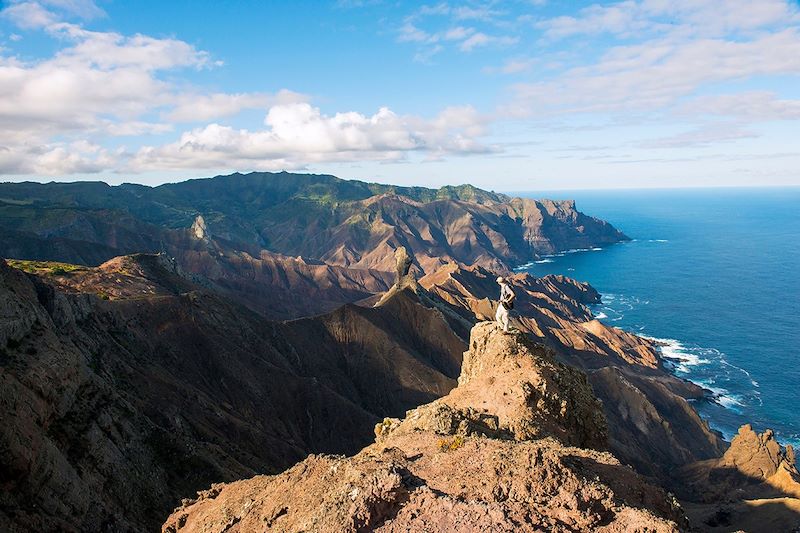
(130, 386)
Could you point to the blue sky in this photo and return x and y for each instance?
(525, 95)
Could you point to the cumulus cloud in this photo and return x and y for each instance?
(298, 134)
(105, 84)
(203, 107)
(56, 159)
(97, 82)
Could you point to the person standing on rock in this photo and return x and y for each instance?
(507, 297)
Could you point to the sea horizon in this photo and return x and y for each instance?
(681, 280)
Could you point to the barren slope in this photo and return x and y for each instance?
(489, 456)
(125, 388)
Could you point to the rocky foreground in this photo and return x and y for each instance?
(127, 386)
(123, 392)
(515, 447)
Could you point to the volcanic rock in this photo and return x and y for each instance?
(452, 466)
(125, 388)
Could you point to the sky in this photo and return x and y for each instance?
(510, 96)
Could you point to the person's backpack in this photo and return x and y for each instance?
(509, 302)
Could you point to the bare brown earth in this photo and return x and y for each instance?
(148, 400)
(130, 385)
(489, 456)
(652, 427)
(754, 486)
(281, 287)
(651, 424)
(120, 397)
(495, 235)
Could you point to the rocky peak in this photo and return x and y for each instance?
(199, 229)
(404, 277)
(512, 388)
(489, 456)
(758, 456)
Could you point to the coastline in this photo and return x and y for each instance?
(680, 358)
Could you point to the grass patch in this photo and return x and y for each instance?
(449, 445)
(53, 268)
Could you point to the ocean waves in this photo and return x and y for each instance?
(707, 367)
(549, 258)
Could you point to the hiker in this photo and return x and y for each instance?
(507, 297)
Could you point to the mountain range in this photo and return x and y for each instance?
(209, 335)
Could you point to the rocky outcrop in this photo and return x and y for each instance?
(280, 287)
(404, 278)
(512, 388)
(125, 388)
(754, 486)
(759, 456)
(490, 456)
(651, 424)
(755, 465)
(553, 308)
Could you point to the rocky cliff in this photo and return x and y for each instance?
(512, 448)
(754, 486)
(651, 424)
(126, 387)
(130, 385)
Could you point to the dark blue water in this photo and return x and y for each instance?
(715, 274)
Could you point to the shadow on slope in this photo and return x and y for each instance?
(113, 407)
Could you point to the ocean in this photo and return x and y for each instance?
(713, 273)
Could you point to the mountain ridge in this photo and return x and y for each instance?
(320, 217)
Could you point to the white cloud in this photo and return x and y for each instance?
(458, 33)
(481, 39)
(113, 51)
(463, 38)
(410, 33)
(512, 66)
(85, 9)
(753, 106)
(477, 12)
(424, 55)
(299, 134)
(639, 17)
(203, 107)
(102, 84)
(704, 135)
(478, 39)
(655, 74)
(98, 82)
(29, 15)
(55, 160)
